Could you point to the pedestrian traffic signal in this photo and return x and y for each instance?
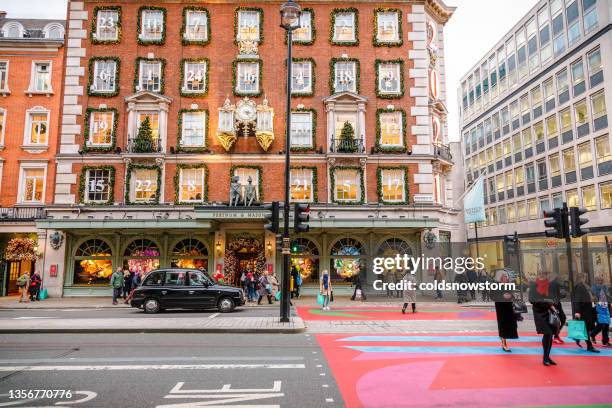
(511, 243)
(576, 222)
(556, 219)
(272, 217)
(301, 216)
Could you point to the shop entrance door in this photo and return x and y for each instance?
(15, 268)
(247, 261)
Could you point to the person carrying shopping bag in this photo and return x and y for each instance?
(325, 289)
(23, 283)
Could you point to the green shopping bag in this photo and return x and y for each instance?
(320, 299)
(277, 296)
(43, 294)
(576, 329)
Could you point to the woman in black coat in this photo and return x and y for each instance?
(504, 310)
(582, 308)
(541, 296)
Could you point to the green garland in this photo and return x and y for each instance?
(259, 177)
(379, 147)
(401, 79)
(111, 184)
(86, 147)
(92, 64)
(94, 25)
(261, 21)
(164, 28)
(375, 41)
(194, 94)
(333, 185)
(184, 149)
(379, 185)
(177, 181)
(353, 10)
(128, 178)
(313, 29)
(235, 79)
(162, 81)
(313, 65)
(314, 132)
(187, 41)
(332, 73)
(315, 180)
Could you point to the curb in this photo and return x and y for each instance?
(50, 307)
(295, 330)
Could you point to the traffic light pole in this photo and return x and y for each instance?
(568, 247)
(518, 264)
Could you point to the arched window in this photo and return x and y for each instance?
(305, 260)
(347, 259)
(54, 31)
(13, 29)
(141, 255)
(190, 253)
(93, 263)
(347, 246)
(394, 246)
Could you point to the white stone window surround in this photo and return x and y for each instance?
(5, 90)
(11, 27)
(32, 87)
(27, 134)
(335, 106)
(160, 106)
(34, 165)
(345, 21)
(301, 136)
(55, 29)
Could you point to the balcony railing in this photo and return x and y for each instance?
(21, 213)
(143, 146)
(443, 151)
(347, 146)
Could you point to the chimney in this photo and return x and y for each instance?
(2, 14)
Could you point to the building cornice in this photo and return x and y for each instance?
(33, 44)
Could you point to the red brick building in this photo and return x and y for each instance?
(164, 105)
(31, 72)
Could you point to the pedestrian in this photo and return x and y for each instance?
(472, 278)
(23, 283)
(127, 283)
(438, 277)
(116, 283)
(603, 320)
(273, 279)
(218, 277)
(136, 281)
(34, 288)
(250, 283)
(397, 277)
(559, 293)
(298, 283)
(582, 308)
(325, 288)
(507, 327)
(264, 289)
(460, 279)
(409, 292)
(358, 293)
(545, 315)
(389, 277)
(483, 278)
(600, 287)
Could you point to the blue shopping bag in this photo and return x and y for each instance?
(278, 295)
(43, 294)
(576, 329)
(320, 299)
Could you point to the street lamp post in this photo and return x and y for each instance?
(290, 16)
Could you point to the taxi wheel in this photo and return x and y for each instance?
(226, 305)
(151, 306)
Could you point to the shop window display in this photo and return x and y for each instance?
(347, 259)
(93, 263)
(141, 255)
(305, 259)
(190, 253)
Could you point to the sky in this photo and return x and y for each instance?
(472, 31)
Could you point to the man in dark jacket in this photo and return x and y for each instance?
(357, 283)
(582, 308)
(472, 277)
(35, 283)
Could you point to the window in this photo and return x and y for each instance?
(248, 74)
(301, 73)
(105, 76)
(41, 77)
(152, 25)
(581, 116)
(302, 130)
(12, 29)
(544, 204)
(345, 74)
(538, 130)
(97, 185)
(557, 200)
(589, 199)
(38, 127)
(54, 31)
(347, 185)
(573, 23)
(532, 205)
(490, 157)
(514, 111)
(554, 166)
(542, 175)
(501, 211)
(566, 120)
(391, 129)
(2, 127)
(530, 175)
(249, 25)
(569, 160)
(304, 33)
(604, 157)
(595, 67)
(144, 185)
(511, 211)
(549, 92)
(153, 120)
(589, 15)
(521, 53)
(196, 25)
(150, 75)
(552, 128)
(605, 192)
(301, 185)
(544, 28)
(246, 174)
(107, 25)
(600, 115)
(585, 159)
(527, 141)
(33, 184)
(522, 211)
(101, 127)
(516, 143)
(500, 184)
(387, 27)
(562, 83)
(557, 26)
(578, 77)
(572, 198)
(389, 78)
(344, 27)
(192, 185)
(195, 76)
(193, 130)
(4, 76)
(536, 97)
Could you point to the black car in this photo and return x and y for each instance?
(184, 289)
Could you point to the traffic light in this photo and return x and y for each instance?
(555, 219)
(576, 222)
(511, 243)
(301, 216)
(272, 217)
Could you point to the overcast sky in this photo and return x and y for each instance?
(471, 32)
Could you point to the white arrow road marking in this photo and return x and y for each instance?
(149, 367)
(178, 389)
(15, 402)
(32, 317)
(89, 395)
(223, 396)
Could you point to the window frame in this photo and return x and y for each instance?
(377, 41)
(333, 80)
(143, 39)
(313, 184)
(312, 145)
(404, 186)
(359, 194)
(312, 65)
(138, 79)
(93, 75)
(5, 90)
(33, 78)
(237, 19)
(258, 77)
(181, 128)
(186, 38)
(88, 146)
(179, 183)
(184, 91)
(95, 25)
(27, 141)
(398, 65)
(355, 28)
(22, 179)
(84, 190)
